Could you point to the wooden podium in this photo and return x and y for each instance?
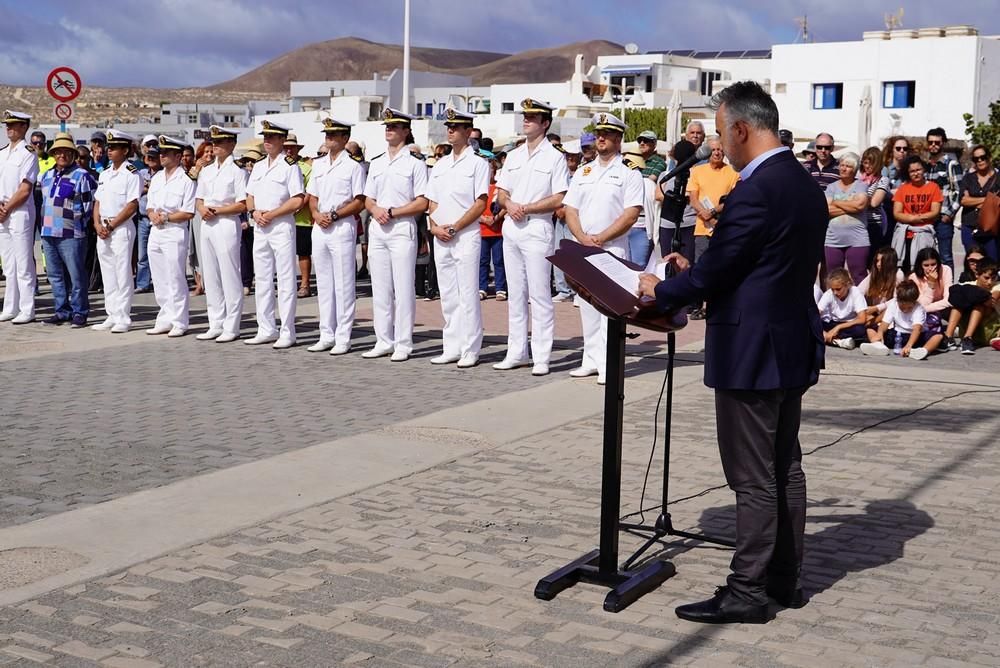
(622, 308)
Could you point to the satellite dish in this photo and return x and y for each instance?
(631, 48)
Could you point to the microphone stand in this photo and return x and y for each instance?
(663, 526)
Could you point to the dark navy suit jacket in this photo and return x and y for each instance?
(763, 330)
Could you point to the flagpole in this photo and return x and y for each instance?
(405, 105)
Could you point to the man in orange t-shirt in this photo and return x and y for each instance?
(490, 228)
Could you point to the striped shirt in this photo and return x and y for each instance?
(67, 202)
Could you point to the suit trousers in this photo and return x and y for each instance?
(115, 257)
(168, 253)
(526, 245)
(759, 443)
(392, 261)
(458, 278)
(17, 253)
(220, 271)
(274, 254)
(333, 261)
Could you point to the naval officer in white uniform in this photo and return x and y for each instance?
(394, 195)
(336, 196)
(457, 191)
(18, 173)
(531, 186)
(170, 205)
(116, 201)
(274, 193)
(220, 199)
(603, 202)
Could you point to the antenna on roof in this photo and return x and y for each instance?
(631, 48)
(894, 21)
(803, 23)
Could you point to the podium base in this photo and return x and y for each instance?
(627, 586)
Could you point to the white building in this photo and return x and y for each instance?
(918, 79)
(206, 114)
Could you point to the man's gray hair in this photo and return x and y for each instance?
(695, 123)
(747, 101)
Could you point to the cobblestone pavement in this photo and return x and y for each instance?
(437, 568)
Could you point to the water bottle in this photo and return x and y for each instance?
(897, 344)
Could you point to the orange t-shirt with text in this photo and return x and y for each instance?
(918, 200)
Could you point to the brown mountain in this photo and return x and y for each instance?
(350, 58)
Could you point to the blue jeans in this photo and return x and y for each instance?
(559, 278)
(143, 279)
(989, 244)
(945, 233)
(639, 246)
(492, 248)
(65, 260)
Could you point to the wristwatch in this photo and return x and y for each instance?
(389, 211)
(334, 215)
(451, 231)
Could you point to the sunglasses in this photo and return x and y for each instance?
(973, 260)
(980, 158)
(934, 142)
(900, 148)
(824, 148)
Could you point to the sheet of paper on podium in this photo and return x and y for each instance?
(609, 265)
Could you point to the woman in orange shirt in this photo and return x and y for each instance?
(916, 206)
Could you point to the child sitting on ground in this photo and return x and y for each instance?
(879, 286)
(973, 303)
(842, 310)
(903, 325)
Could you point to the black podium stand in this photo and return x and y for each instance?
(621, 307)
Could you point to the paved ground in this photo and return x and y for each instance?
(437, 567)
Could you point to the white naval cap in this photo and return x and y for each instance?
(219, 133)
(333, 125)
(606, 121)
(454, 116)
(272, 128)
(391, 115)
(118, 138)
(171, 143)
(16, 117)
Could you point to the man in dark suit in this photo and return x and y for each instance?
(763, 349)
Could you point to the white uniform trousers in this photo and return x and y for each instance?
(457, 263)
(17, 246)
(595, 325)
(115, 257)
(219, 257)
(525, 248)
(334, 263)
(392, 261)
(168, 254)
(274, 252)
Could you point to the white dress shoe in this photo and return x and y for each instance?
(507, 364)
(445, 359)
(399, 356)
(23, 319)
(283, 343)
(376, 352)
(120, 328)
(102, 326)
(540, 369)
(261, 339)
(320, 346)
(468, 361)
(158, 330)
(210, 335)
(583, 372)
(4, 317)
(341, 349)
(226, 337)
(177, 332)
(601, 380)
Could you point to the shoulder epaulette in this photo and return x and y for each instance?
(132, 168)
(357, 158)
(190, 175)
(30, 149)
(291, 161)
(377, 157)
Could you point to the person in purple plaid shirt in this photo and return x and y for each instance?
(67, 205)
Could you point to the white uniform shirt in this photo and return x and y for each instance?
(456, 184)
(274, 184)
(602, 193)
(832, 309)
(903, 322)
(336, 183)
(17, 164)
(222, 185)
(169, 195)
(118, 187)
(395, 182)
(532, 177)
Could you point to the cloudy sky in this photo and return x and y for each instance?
(174, 43)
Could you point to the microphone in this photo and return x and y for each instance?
(703, 153)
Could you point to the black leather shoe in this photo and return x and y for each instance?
(724, 608)
(787, 597)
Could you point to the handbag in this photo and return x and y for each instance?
(989, 213)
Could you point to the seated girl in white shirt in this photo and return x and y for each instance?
(842, 310)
